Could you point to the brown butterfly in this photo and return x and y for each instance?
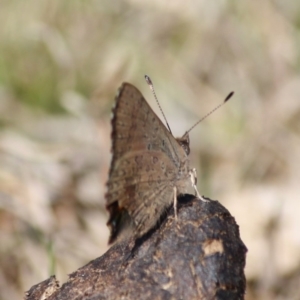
(149, 167)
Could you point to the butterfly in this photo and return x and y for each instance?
(149, 166)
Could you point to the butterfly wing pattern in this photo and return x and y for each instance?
(147, 163)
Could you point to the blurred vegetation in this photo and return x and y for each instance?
(61, 63)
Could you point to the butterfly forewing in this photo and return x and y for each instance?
(147, 163)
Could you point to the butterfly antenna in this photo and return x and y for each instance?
(149, 81)
(225, 100)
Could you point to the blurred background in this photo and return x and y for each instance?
(61, 63)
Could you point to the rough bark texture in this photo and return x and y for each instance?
(201, 256)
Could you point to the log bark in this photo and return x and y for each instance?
(199, 256)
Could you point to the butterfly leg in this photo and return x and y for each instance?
(175, 202)
(193, 176)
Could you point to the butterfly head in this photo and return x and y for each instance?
(184, 142)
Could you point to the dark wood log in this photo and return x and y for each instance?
(43, 290)
(201, 256)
